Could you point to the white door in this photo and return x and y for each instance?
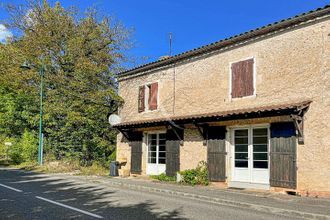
(250, 155)
(156, 161)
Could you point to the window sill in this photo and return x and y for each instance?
(148, 111)
(244, 97)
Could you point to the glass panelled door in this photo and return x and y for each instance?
(156, 161)
(250, 156)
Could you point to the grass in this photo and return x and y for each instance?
(65, 166)
(163, 178)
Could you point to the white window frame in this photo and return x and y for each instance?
(254, 79)
(157, 146)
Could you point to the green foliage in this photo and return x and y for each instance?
(196, 176)
(162, 177)
(15, 151)
(81, 55)
(29, 146)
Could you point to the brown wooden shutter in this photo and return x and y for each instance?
(283, 148)
(135, 142)
(153, 95)
(216, 153)
(242, 78)
(173, 152)
(141, 99)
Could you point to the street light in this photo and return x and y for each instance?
(27, 66)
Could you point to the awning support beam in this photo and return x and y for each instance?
(202, 129)
(298, 120)
(176, 129)
(125, 134)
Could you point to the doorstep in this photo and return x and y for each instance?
(246, 185)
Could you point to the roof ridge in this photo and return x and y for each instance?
(215, 45)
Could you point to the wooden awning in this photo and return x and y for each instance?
(246, 113)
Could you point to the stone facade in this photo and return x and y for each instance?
(290, 66)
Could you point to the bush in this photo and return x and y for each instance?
(29, 146)
(196, 176)
(15, 153)
(162, 177)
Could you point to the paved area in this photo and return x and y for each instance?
(28, 195)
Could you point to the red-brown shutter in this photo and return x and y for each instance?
(141, 98)
(242, 78)
(153, 95)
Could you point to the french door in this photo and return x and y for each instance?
(250, 154)
(156, 161)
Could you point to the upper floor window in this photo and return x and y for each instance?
(242, 78)
(148, 97)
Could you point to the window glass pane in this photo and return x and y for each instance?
(260, 156)
(241, 163)
(241, 148)
(260, 164)
(260, 140)
(162, 136)
(162, 148)
(152, 160)
(260, 132)
(152, 154)
(162, 154)
(241, 155)
(153, 142)
(152, 147)
(154, 136)
(260, 148)
(162, 141)
(162, 161)
(241, 140)
(240, 133)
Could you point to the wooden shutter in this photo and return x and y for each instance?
(242, 79)
(283, 171)
(216, 153)
(153, 95)
(173, 152)
(141, 99)
(135, 142)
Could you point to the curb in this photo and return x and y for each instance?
(235, 204)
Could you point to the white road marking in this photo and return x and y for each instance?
(69, 207)
(8, 187)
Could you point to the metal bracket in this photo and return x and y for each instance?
(125, 134)
(202, 129)
(175, 129)
(299, 125)
(298, 120)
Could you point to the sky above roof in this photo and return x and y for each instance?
(193, 23)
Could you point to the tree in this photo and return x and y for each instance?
(80, 55)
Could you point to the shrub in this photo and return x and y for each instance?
(196, 176)
(162, 177)
(15, 153)
(29, 146)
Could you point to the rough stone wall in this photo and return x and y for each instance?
(123, 152)
(193, 151)
(291, 66)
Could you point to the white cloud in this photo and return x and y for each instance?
(4, 33)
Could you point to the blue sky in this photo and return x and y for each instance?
(193, 23)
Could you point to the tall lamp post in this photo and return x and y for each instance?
(41, 70)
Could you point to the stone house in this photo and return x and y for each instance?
(255, 107)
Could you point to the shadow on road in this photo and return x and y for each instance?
(94, 198)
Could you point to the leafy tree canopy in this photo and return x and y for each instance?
(81, 55)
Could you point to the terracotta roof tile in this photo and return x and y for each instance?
(221, 114)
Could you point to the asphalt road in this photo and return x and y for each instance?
(34, 196)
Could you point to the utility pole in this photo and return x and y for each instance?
(41, 71)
